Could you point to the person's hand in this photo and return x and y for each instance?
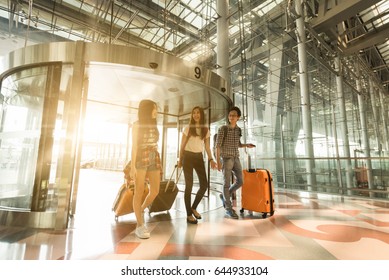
(250, 145)
(219, 165)
(132, 174)
(213, 164)
(179, 164)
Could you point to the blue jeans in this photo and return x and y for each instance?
(231, 166)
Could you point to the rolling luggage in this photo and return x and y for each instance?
(123, 203)
(258, 192)
(168, 191)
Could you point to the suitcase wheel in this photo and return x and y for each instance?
(249, 212)
(271, 213)
(264, 215)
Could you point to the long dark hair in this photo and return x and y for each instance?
(192, 124)
(145, 120)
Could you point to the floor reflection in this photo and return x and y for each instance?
(301, 229)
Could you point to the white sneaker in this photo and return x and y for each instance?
(142, 232)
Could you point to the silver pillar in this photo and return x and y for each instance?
(222, 48)
(384, 120)
(343, 122)
(338, 163)
(375, 114)
(305, 98)
(273, 97)
(365, 137)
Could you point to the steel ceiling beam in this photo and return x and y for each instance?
(328, 19)
(147, 8)
(154, 12)
(374, 37)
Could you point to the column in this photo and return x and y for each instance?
(222, 48)
(305, 98)
(365, 137)
(343, 122)
(375, 114)
(384, 120)
(270, 117)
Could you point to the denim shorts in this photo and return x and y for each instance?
(148, 159)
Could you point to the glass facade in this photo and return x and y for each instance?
(320, 129)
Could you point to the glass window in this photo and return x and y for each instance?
(21, 111)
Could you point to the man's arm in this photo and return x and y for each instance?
(220, 135)
(218, 163)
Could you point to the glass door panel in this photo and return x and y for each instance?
(27, 121)
(22, 96)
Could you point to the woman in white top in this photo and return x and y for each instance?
(195, 139)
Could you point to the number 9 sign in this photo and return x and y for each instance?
(197, 71)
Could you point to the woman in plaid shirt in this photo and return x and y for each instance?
(145, 161)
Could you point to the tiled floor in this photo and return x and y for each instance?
(302, 228)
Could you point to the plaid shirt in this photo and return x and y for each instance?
(231, 142)
(147, 144)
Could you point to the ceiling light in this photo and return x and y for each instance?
(173, 89)
(153, 65)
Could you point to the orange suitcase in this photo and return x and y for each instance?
(123, 203)
(258, 192)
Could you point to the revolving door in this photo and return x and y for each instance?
(44, 98)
